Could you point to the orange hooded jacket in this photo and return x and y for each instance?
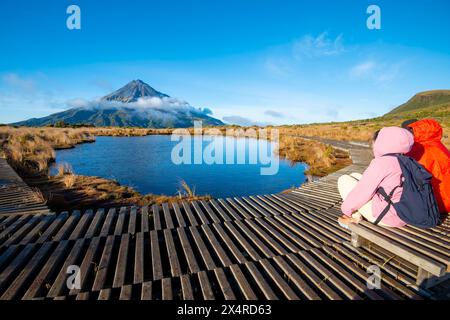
(429, 151)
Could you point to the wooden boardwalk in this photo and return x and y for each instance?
(16, 197)
(279, 246)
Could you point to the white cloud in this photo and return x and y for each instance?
(380, 73)
(274, 114)
(362, 69)
(320, 46)
(243, 121)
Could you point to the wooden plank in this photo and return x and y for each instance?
(313, 278)
(308, 231)
(236, 252)
(258, 243)
(394, 282)
(167, 216)
(249, 250)
(422, 261)
(280, 238)
(146, 291)
(188, 253)
(356, 270)
(60, 282)
(256, 205)
(139, 259)
(120, 221)
(350, 278)
(82, 296)
(105, 294)
(16, 265)
(205, 286)
(47, 271)
(121, 266)
(210, 212)
(87, 264)
(108, 222)
(223, 214)
(297, 240)
(200, 214)
(156, 217)
(244, 286)
(22, 231)
(230, 210)
(425, 247)
(179, 215)
(95, 224)
(225, 286)
(126, 292)
(319, 228)
(103, 267)
(275, 203)
(189, 213)
(281, 283)
(64, 232)
(261, 282)
(144, 219)
(8, 254)
(243, 214)
(186, 288)
(204, 252)
(156, 256)
(303, 233)
(172, 253)
(81, 226)
(329, 276)
(220, 252)
(269, 206)
(328, 224)
(27, 273)
(167, 293)
(38, 230)
(132, 223)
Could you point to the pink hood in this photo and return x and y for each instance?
(393, 140)
(382, 172)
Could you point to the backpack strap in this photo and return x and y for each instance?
(388, 199)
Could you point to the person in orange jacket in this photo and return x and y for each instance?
(430, 152)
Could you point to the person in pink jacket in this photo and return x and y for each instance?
(360, 191)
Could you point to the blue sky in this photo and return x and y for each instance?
(249, 61)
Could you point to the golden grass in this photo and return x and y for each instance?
(321, 158)
(31, 150)
(362, 130)
(69, 180)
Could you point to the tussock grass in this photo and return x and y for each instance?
(31, 150)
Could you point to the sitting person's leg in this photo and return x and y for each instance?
(356, 175)
(346, 183)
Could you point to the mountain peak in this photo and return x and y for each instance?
(134, 90)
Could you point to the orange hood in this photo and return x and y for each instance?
(426, 130)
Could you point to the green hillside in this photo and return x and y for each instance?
(427, 99)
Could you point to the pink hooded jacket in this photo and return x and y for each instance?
(382, 172)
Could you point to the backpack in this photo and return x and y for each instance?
(417, 205)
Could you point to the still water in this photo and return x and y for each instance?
(146, 163)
